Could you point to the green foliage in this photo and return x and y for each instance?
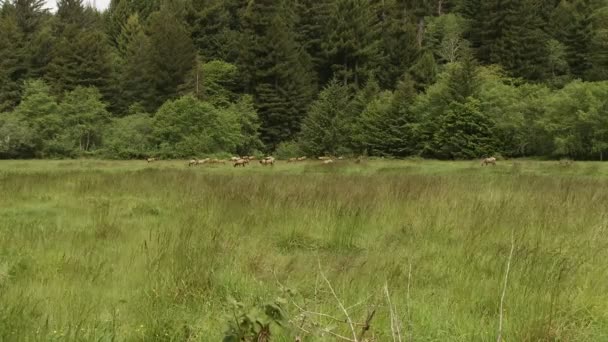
(260, 65)
(41, 111)
(464, 132)
(389, 126)
(214, 82)
(11, 67)
(129, 137)
(17, 137)
(249, 123)
(171, 55)
(353, 43)
(288, 149)
(85, 115)
(275, 68)
(577, 119)
(325, 129)
(256, 324)
(187, 127)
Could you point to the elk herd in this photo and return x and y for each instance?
(269, 161)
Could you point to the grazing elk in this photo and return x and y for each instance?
(487, 161)
(267, 162)
(241, 162)
(324, 158)
(150, 160)
(291, 160)
(302, 158)
(193, 162)
(328, 161)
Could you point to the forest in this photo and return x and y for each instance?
(444, 79)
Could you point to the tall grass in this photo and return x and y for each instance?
(101, 250)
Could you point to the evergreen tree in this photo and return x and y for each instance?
(399, 41)
(571, 22)
(136, 69)
(388, 126)
(119, 12)
(353, 41)
(30, 15)
(171, 57)
(81, 58)
(275, 69)
(464, 132)
(12, 69)
(326, 127)
(215, 29)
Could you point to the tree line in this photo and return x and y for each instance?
(448, 79)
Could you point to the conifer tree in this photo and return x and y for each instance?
(353, 42)
(275, 69)
(172, 55)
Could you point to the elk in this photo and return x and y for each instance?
(328, 161)
(202, 161)
(241, 162)
(150, 160)
(267, 162)
(487, 161)
(291, 160)
(193, 162)
(302, 158)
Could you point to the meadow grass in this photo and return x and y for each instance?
(94, 250)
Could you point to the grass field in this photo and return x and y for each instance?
(129, 251)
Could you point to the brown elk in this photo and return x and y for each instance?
(241, 162)
(150, 160)
(291, 160)
(302, 158)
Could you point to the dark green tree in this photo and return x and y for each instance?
(353, 41)
(464, 132)
(326, 128)
(172, 55)
(275, 69)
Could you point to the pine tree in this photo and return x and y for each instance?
(30, 15)
(215, 29)
(81, 58)
(275, 69)
(464, 132)
(399, 41)
(136, 70)
(388, 126)
(353, 42)
(326, 127)
(119, 12)
(171, 57)
(12, 69)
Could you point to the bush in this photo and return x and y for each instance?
(288, 149)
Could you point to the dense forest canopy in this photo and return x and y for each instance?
(445, 79)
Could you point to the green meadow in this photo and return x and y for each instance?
(94, 250)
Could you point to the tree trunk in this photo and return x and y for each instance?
(439, 7)
(345, 71)
(420, 35)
